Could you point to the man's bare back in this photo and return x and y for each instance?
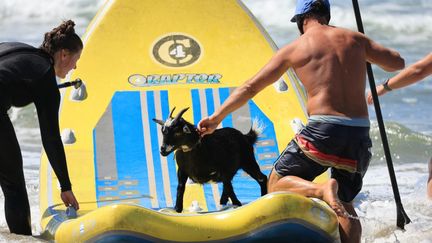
(330, 62)
(334, 76)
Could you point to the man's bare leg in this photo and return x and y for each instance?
(429, 183)
(349, 229)
(326, 191)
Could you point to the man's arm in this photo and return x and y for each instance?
(270, 73)
(410, 75)
(413, 73)
(386, 58)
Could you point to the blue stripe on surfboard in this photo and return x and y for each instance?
(196, 104)
(209, 101)
(170, 159)
(155, 149)
(223, 95)
(267, 133)
(129, 144)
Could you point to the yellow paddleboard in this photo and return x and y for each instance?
(141, 59)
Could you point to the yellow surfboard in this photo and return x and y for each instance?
(141, 59)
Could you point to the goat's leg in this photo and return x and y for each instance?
(224, 197)
(182, 178)
(253, 169)
(228, 188)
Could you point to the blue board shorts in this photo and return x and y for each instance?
(319, 146)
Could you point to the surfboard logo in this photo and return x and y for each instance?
(141, 80)
(176, 50)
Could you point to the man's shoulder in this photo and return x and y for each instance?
(346, 31)
(350, 34)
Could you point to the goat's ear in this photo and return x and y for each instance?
(160, 122)
(186, 129)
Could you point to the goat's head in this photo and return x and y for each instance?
(177, 133)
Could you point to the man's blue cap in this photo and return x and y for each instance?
(304, 6)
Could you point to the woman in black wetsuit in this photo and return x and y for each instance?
(28, 74)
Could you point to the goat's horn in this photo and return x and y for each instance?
(172, 112)
(160, 122)
(180, 114)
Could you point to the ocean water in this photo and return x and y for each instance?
(400, 24)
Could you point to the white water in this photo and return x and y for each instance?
(400, 24)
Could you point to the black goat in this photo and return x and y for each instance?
(215, 157)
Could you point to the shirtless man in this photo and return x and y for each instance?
(331, 63)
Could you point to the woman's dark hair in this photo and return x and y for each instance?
(62, 37)
(318, 10)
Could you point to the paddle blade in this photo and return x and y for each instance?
(402, 217)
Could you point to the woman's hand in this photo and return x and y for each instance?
(69, 199)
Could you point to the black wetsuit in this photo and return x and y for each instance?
(27, 75)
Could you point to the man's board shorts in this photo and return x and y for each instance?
(342, 144)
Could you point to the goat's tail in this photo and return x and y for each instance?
(256, 129)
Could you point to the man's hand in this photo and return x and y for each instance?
(380, 91)
(207, 126)
(69, 199)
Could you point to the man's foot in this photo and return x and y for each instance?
(330, 189)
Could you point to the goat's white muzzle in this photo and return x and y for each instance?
(167, 149)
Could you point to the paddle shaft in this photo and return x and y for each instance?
(402, 217)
